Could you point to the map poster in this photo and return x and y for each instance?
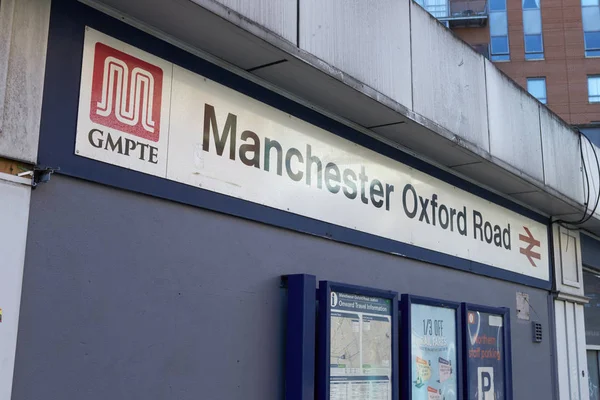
(485, 349)
(433, 353)
(360, 347)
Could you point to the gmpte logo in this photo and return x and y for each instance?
(126, 93)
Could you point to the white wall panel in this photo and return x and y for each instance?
(514, 121)
(448, 80)
(570, 346)
(562, 355)
(581, 353)
(367, 39)
(14, 214)
(573, 353)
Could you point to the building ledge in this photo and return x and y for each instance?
(215, 32)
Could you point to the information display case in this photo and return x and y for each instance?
(357, 343)
(487, 353)
(431, 349)
(371, 346)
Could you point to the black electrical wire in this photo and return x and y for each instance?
(586, 217)
(598, 189)
(587, 188)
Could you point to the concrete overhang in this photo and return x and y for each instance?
(269, 53)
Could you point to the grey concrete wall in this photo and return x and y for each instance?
(23, 43)
(131, 297)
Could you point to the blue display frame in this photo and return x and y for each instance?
(300, 336)
(406, 346)
(506, 351)
(324, 326)
(68, 19)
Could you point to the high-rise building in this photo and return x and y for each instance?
(549, 47)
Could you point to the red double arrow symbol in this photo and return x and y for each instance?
(532, 242)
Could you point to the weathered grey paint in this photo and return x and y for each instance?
(279, 16)
(23, 43)
(447, 73)
(131, 297)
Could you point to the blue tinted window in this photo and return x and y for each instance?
(497, 5)
(501, 57)
(537, 88)
(499, 45)
(592, 40)
(594, 88)
(592, 53)
(531, 4)
(534, 56)
(533, 44)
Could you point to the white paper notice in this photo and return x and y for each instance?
(361, 348)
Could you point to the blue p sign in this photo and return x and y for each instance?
(485, 383)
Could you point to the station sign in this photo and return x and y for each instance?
(143, 113)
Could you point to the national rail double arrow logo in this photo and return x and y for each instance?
(528, 251)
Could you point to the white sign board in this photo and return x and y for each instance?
(143, 113)
(14, 215)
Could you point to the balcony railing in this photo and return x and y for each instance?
(458, 13)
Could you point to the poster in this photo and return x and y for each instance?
(433, 344)
(485, 349)
(360, 348)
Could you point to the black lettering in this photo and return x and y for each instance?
(350, 182)
(153, 155)
(210, 122)
(376, 190)
(424, 202)
(444, 216)
(114, 146)
(462, 217)
(310, 160)
(129, 145)
(96, 143)
(254, 148)
(506, 237)
(487, 228)
(332, 173)
(273, 144)
(409, 188)
(288, 164)
(452, 215)
(477, 223)
(388, 191)
(142, 150)
(363, 179)
(497, 236)
(433, 207)
(486, 383)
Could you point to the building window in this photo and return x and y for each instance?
(590, 10)
(537, 88)
(591, 315)
(437, 8)
(594, 88)
(499, 49)
(532, 29)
